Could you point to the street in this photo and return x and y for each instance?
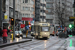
(53, 43)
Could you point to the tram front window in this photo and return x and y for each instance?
(45, 28)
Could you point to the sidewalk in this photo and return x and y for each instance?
(28, 37)
(70, 44)
(16, 41)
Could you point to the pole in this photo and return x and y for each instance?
(59, 12)
(14, 19)
(1, 13)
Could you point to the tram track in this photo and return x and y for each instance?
(29, 44)
(35, 42)
(62, 46)
(54, 45)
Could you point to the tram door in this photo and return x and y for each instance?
(37, 30)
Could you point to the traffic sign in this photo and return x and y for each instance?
(27, 27)
(22, 25)
(71, 18)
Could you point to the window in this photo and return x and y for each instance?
(49, 10)
(37, 4)
(23, 7)
(26, 1)
(37, 11)
(42, 0)
(49, 0)
(27, 15)
(32, 9)
(27, 8)
(23, 1)
(32, 15)
(32, 2)
(23, 15)
(49, 20)
(45, 28)
(49, 15)
(49, 5)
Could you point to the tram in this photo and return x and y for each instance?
(42, 29)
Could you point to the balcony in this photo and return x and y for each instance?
(41, 14)
(43, 2)
(41, 7)
(44, 14)
(44, 8)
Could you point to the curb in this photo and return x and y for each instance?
(27, 38)
(8, 44)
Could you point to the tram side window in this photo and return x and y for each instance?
(45, 28)
(36, 29)
(32, 28)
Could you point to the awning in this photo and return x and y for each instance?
(27, 19)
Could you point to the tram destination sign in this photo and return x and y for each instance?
(44, 24)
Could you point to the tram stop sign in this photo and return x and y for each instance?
(27, 27)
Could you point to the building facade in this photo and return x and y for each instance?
(5, 13)
(40, 10)
(27, 9)
(49, 11)
(59, 11)
(59, 8)
(17, 9)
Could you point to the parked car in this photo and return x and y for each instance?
(20, 33)
(59, 31)
(17, 34)
(61, 34)
(32, 33)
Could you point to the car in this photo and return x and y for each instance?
(17, 34)
(32, 33)
(20, 33)
(59, 31)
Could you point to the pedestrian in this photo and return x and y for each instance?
(1, 34)
(4, 35)
(8, 30)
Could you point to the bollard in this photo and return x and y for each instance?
(26, 33)
(12, 36)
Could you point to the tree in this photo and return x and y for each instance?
(59, 10)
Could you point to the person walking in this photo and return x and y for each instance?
(4, 35)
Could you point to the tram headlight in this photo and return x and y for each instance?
(17, 34)
(45, 33)
(36, 33)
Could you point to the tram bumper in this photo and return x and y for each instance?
(44, 35)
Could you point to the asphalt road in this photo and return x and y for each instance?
(53, 43)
